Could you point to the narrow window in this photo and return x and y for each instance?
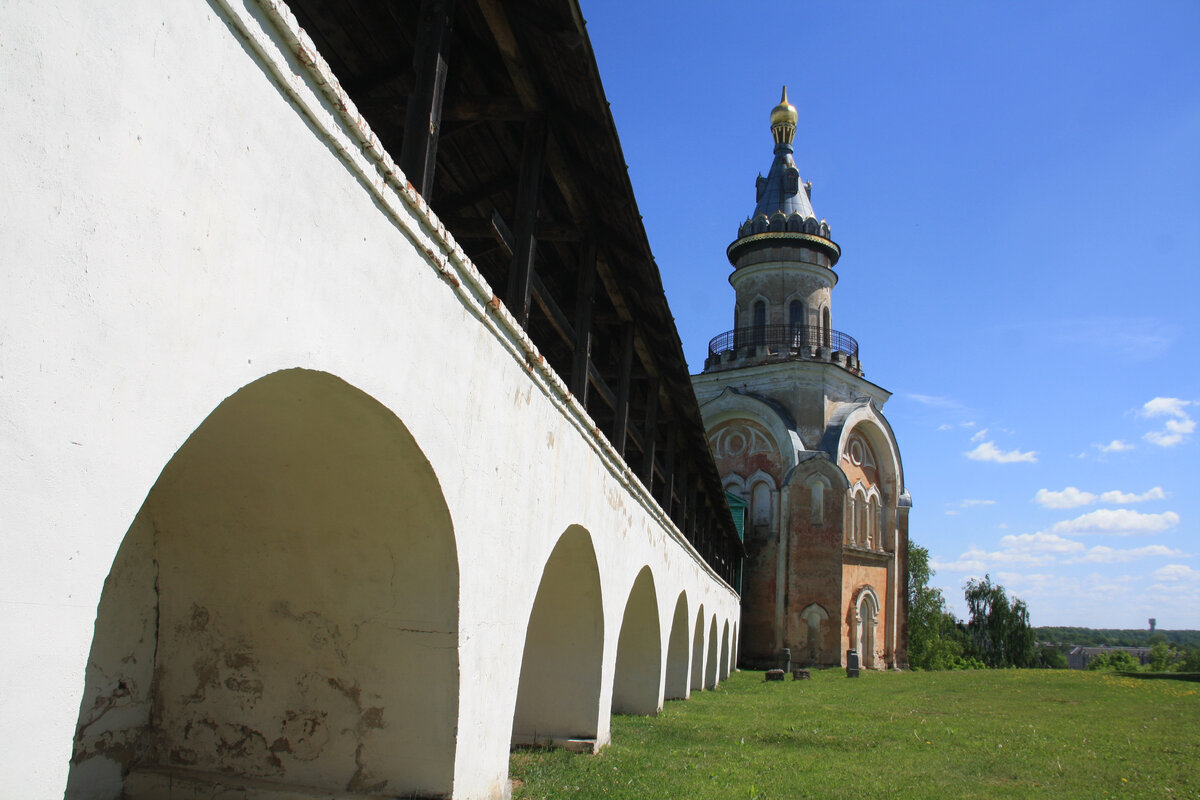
(760, 322)
(796, 321)
(826, 333)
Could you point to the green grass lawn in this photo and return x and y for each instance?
(985, 734)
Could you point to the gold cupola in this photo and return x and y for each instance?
(783, 120)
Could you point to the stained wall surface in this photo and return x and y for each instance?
(253, 520)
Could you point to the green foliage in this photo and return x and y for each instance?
(999, 630)
(902, 735)
(1159, 653)
(1098, 637)
(1050, 658)
(1115, 659)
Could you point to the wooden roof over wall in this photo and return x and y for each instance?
(515, 71)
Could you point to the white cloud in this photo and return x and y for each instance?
(1115, 446)
(979, 435)
(1041, 542)
(987, 451)
(945, 427)
(1069, 497)
(1118, 497)
(1177, 572)
(1178, 426)
(936, 401)
(1118, 521)
(1109, 555)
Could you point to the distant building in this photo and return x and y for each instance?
(1080, 657)
(798, 433)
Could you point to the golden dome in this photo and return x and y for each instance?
(784, 113)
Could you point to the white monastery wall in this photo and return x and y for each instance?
(185, 214)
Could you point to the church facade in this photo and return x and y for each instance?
(799, 434)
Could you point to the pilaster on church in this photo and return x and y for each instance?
(798, 434)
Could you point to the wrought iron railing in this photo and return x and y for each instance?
(779, 338)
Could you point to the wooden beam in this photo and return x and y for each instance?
(423, 117)
(669, 471)
(551, 309)
(650, 435)
(497, 22)
(598, 381)
(584, 293)
(529, 199)
(624, 375)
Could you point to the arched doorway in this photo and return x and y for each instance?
(291, 576)
(677, 653)
(868, 614)
(558, 697)
(636, 679)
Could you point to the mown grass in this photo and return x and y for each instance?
(977, 734)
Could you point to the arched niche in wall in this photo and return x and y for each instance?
(636, 679)
(290, 577)
(676, 687)
(558, 697)
(815, 619)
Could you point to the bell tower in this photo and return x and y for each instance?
(799, 436)
(783, 261)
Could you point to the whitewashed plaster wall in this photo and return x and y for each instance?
(184, 211)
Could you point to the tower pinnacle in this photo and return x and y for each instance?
(783, 121)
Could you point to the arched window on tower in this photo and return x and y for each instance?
(826, 328)
(760, 323)
(799, 331)
(875, 537)
(860, 518)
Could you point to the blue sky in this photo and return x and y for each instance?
(1016, 191)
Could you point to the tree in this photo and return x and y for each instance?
(999, 630)
(936, 640)
(1114, 659)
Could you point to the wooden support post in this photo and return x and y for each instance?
(668, 502)
(423, 116)
(621, 417)
(529, 198)
(650, 433)
(585, 291)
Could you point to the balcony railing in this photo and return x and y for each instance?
(777, 338)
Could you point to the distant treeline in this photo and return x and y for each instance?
(1097, 637)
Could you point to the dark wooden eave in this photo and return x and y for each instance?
(480, 97)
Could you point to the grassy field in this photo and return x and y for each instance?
(982, 734)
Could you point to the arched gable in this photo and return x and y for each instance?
(732, 404)
(866, 420)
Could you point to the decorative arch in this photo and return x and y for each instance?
(677, 652)
(697, 676)
(710, 665)
(736, 484)
(865, 420)
(290, 577)
(558, 696)
(638, 674)
(733, 404)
